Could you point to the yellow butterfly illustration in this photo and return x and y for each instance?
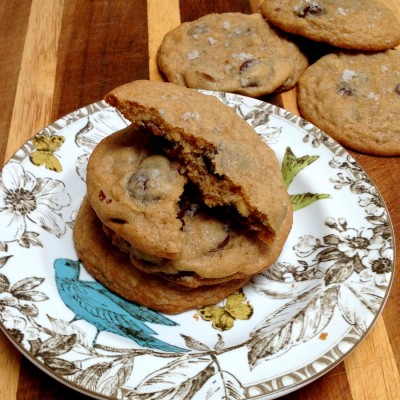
(224, 317)
(44, 154)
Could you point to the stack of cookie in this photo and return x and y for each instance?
(352, 93)
(183, 206)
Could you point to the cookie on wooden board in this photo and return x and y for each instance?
(231, 52)
(351, 24)
(355, 98)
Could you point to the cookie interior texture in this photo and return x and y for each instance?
(110, 266)
(220, 152)
(213, 252)
(231, 52)
(351, 24)
(355, 98)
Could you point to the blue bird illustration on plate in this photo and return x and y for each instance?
(94, 303)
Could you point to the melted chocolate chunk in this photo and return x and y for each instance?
(222, 244)
(397, 89)
(248, 64)
(345, 91)
(312, 9)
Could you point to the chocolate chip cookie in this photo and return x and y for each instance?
(136, 192)
(113, 268)
(231, 52)
(351, 24)
(356, 99)
(220, 153)
(214, 250)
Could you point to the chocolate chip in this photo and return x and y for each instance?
(313, 9)
(222, 244)
(117, 221)
(345, 91)
(248, 64)
(251, 84)
(102, 196)
(397, 89)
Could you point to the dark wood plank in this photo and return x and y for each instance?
(13, 27)
(100, 49)
(204, 7)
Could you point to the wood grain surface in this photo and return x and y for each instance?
(60, 55)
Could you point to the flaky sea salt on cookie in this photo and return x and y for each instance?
(231, 52)
(351, 24)
(219, 151)
(356, 99)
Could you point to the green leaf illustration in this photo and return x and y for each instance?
(305, 199)
(292, 165)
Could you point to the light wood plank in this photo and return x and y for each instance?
(35, 90)
(162, 16)
(372, 369)
(9, 367)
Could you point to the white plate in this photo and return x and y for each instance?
(308, 311)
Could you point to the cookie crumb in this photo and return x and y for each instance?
(192, 55)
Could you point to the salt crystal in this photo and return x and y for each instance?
(191, 115)
(192, 55)
(211, 40)
(348, 74)
(226, 25)
(373, 96)
(244, 82)
(243, 56)
(341, 11)
(384, 68)
(155, 173)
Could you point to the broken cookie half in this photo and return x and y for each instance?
(216, 149)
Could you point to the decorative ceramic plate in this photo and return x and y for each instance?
(289, 325)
